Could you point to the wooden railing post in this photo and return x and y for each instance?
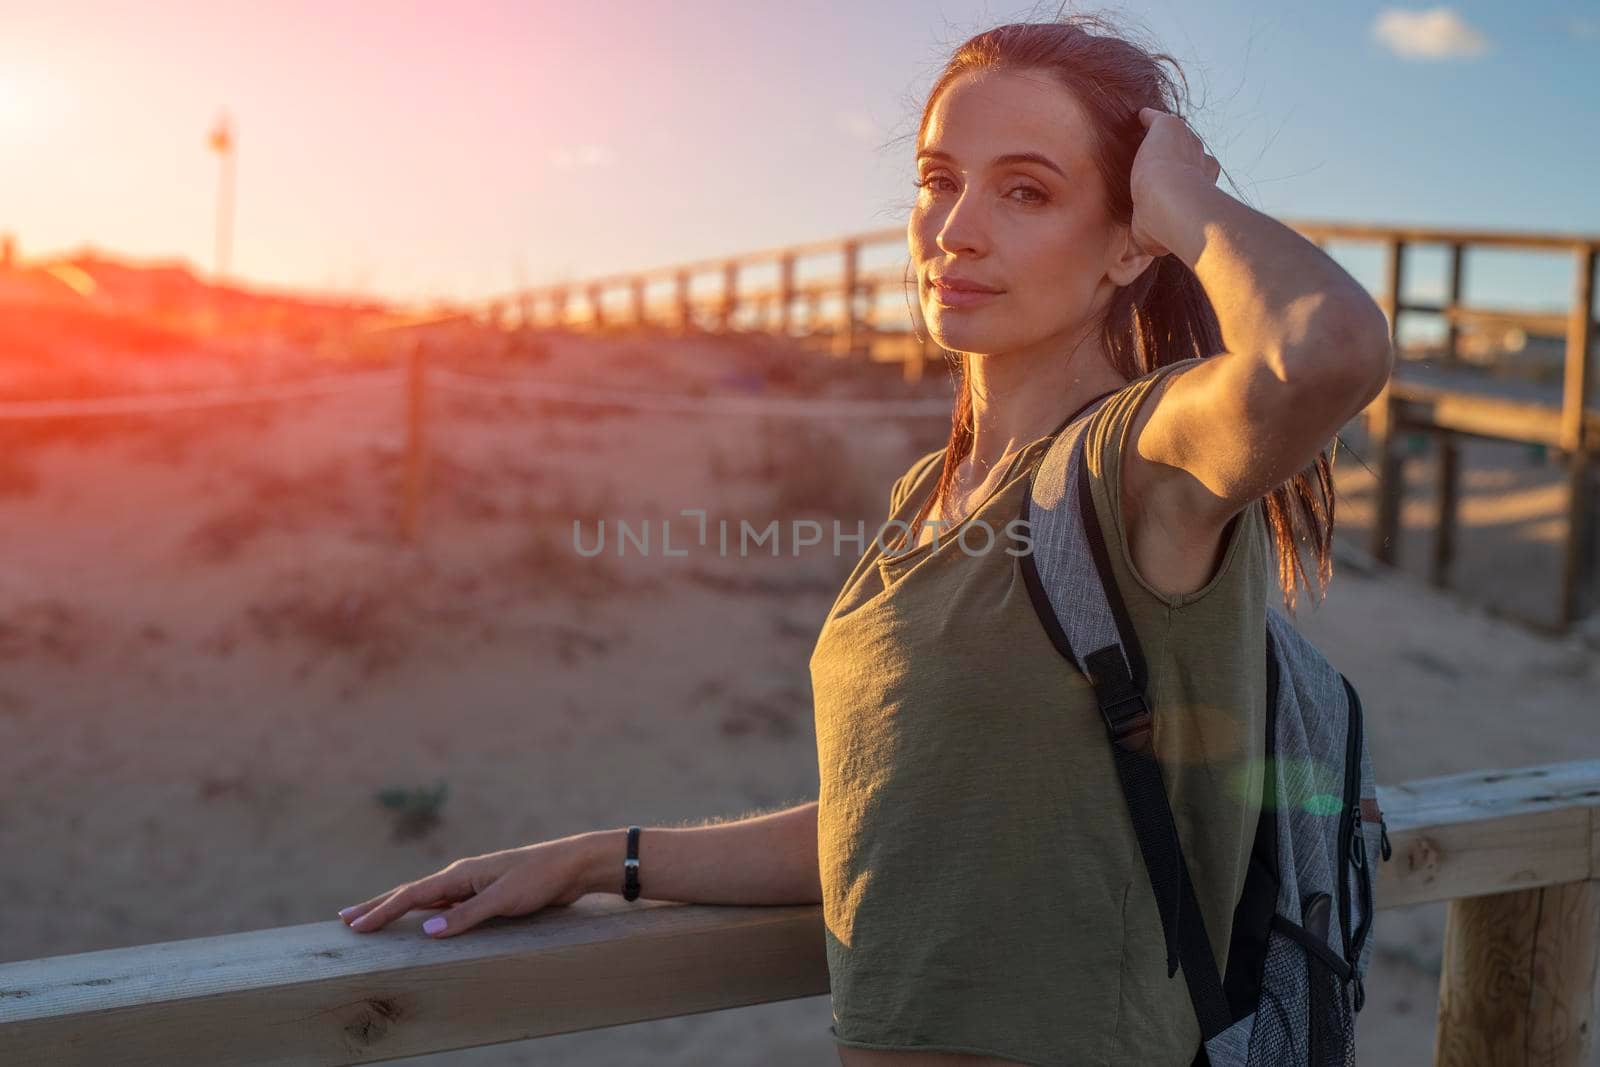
(1518, 984)
(730, 294)
(844, 341)
(685, 308)
(1447, 482)
(558, 307)
(416, 443)
(1574, 441)
(1382, 429)
(597, 308)
(785, 291)
(638, 301)
(1447, 491)
(1452, 305)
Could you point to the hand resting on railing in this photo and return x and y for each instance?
(514, 881)
(765, 859)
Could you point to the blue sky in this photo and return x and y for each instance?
(423, 150)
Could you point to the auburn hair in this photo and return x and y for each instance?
(1164, 315)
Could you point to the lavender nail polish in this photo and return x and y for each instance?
(433, 925)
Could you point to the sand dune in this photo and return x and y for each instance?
(231, 697)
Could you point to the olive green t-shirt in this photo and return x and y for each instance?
(983, 889)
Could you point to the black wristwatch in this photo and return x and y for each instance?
(630, 866)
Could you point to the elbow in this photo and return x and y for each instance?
(1354, 353)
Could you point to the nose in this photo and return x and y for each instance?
(965, 227)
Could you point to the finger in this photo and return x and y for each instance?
(467, 914)
(1147, 115)
(355, 911)
(443, 885)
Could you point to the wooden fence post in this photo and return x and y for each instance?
(1447, 493)
(1518, 984)
(730, 294)
(1452, 325)
(597, 308)
(785, 291)
(685, 308)
(1382, 431)
(1574, 441)
(844, 340)
(416, 444)
(638, 302)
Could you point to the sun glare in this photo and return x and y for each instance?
(25, 104)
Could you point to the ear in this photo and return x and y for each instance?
(1127, 261)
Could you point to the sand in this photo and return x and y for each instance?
(218, 657)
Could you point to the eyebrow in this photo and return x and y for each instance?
(998, 161)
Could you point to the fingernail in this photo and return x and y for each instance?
(344, 913)
(433, 925)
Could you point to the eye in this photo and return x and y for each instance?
(929, 182)
(1039, 197)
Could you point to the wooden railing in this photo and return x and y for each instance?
(1517, 853)
(874, 312)
(1449, 406)
(851, 308)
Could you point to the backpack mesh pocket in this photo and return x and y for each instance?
(1304, 1014)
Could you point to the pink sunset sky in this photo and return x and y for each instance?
(414, 151)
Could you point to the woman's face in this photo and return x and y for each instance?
(1035, 228)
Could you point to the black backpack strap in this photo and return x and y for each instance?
(1069, 580)
(1119, 677)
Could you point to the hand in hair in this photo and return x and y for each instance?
(1169, 153)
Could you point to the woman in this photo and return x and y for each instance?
(984, 897)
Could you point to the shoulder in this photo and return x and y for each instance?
(1108, 428)
(904, 484)
(1162, 554)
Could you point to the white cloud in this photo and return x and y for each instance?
(582, 157)
(857, 124)
(1437, 33)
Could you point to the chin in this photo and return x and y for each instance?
(959, 332)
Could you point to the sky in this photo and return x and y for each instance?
(419, 151)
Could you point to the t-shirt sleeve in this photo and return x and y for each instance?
(1105, 442)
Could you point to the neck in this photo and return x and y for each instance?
(1019, 397)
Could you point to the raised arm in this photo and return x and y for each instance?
(1306, 347)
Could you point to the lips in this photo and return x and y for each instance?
(962, 285)
(953, 292)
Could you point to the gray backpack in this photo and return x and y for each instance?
(1302, 927)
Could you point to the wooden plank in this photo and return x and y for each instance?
(1457, 316)
(1529, 239)
(1489, 832)
(1480, 416)
(323, 994)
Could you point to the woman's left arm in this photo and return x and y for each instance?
(1305, 347)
